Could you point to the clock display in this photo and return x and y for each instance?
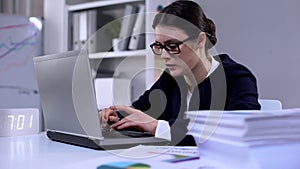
(14, 122)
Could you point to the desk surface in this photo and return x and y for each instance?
(37, 151)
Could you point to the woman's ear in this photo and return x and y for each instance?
(201, 40)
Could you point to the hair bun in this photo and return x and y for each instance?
(211, 32)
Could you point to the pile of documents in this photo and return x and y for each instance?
(246, 127)
(247, 139)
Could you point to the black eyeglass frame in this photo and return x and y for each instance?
(161, 46)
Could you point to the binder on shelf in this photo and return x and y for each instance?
(91, 29)
(75, 33)
(127, 26)
(137, 40)
(84, 26)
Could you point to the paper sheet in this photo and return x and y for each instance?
(157, 157)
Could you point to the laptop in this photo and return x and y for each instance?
(69, 104)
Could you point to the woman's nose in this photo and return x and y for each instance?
(165, 55)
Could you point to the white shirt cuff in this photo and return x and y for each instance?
(163, 130)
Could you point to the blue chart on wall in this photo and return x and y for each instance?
(20, 41)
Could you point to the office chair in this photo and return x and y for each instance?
(270, 104)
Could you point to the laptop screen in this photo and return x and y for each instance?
(67, 93)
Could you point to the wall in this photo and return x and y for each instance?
(263, 35)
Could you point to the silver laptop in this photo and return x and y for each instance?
(69, 104)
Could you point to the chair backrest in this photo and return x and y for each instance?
(270, 104)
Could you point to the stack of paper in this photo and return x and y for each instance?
(248, 139)
(250, 127)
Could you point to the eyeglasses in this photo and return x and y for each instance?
(171, 48)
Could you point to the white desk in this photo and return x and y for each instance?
(37, 151)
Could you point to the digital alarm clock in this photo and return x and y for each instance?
(21, 121)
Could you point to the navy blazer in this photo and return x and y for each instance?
(231, 86)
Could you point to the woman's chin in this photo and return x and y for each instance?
(175, 73)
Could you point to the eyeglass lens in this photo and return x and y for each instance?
(171, 48)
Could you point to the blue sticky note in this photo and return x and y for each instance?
(124, 165)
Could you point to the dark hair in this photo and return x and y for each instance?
(188, 16)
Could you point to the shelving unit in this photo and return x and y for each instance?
(111, 55)
(98, 4)
(57, 37)
(58, 19)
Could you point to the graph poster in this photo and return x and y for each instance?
(20, 41)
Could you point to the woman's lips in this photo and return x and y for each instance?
(170, 66)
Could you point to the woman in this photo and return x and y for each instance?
(193, 79)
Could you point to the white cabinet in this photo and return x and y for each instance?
(58, 19)
(140, 65)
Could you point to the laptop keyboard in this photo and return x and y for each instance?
(111, 133)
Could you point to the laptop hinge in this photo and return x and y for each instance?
(79, 135)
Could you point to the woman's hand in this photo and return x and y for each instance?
(108, 115)
(136, 119)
